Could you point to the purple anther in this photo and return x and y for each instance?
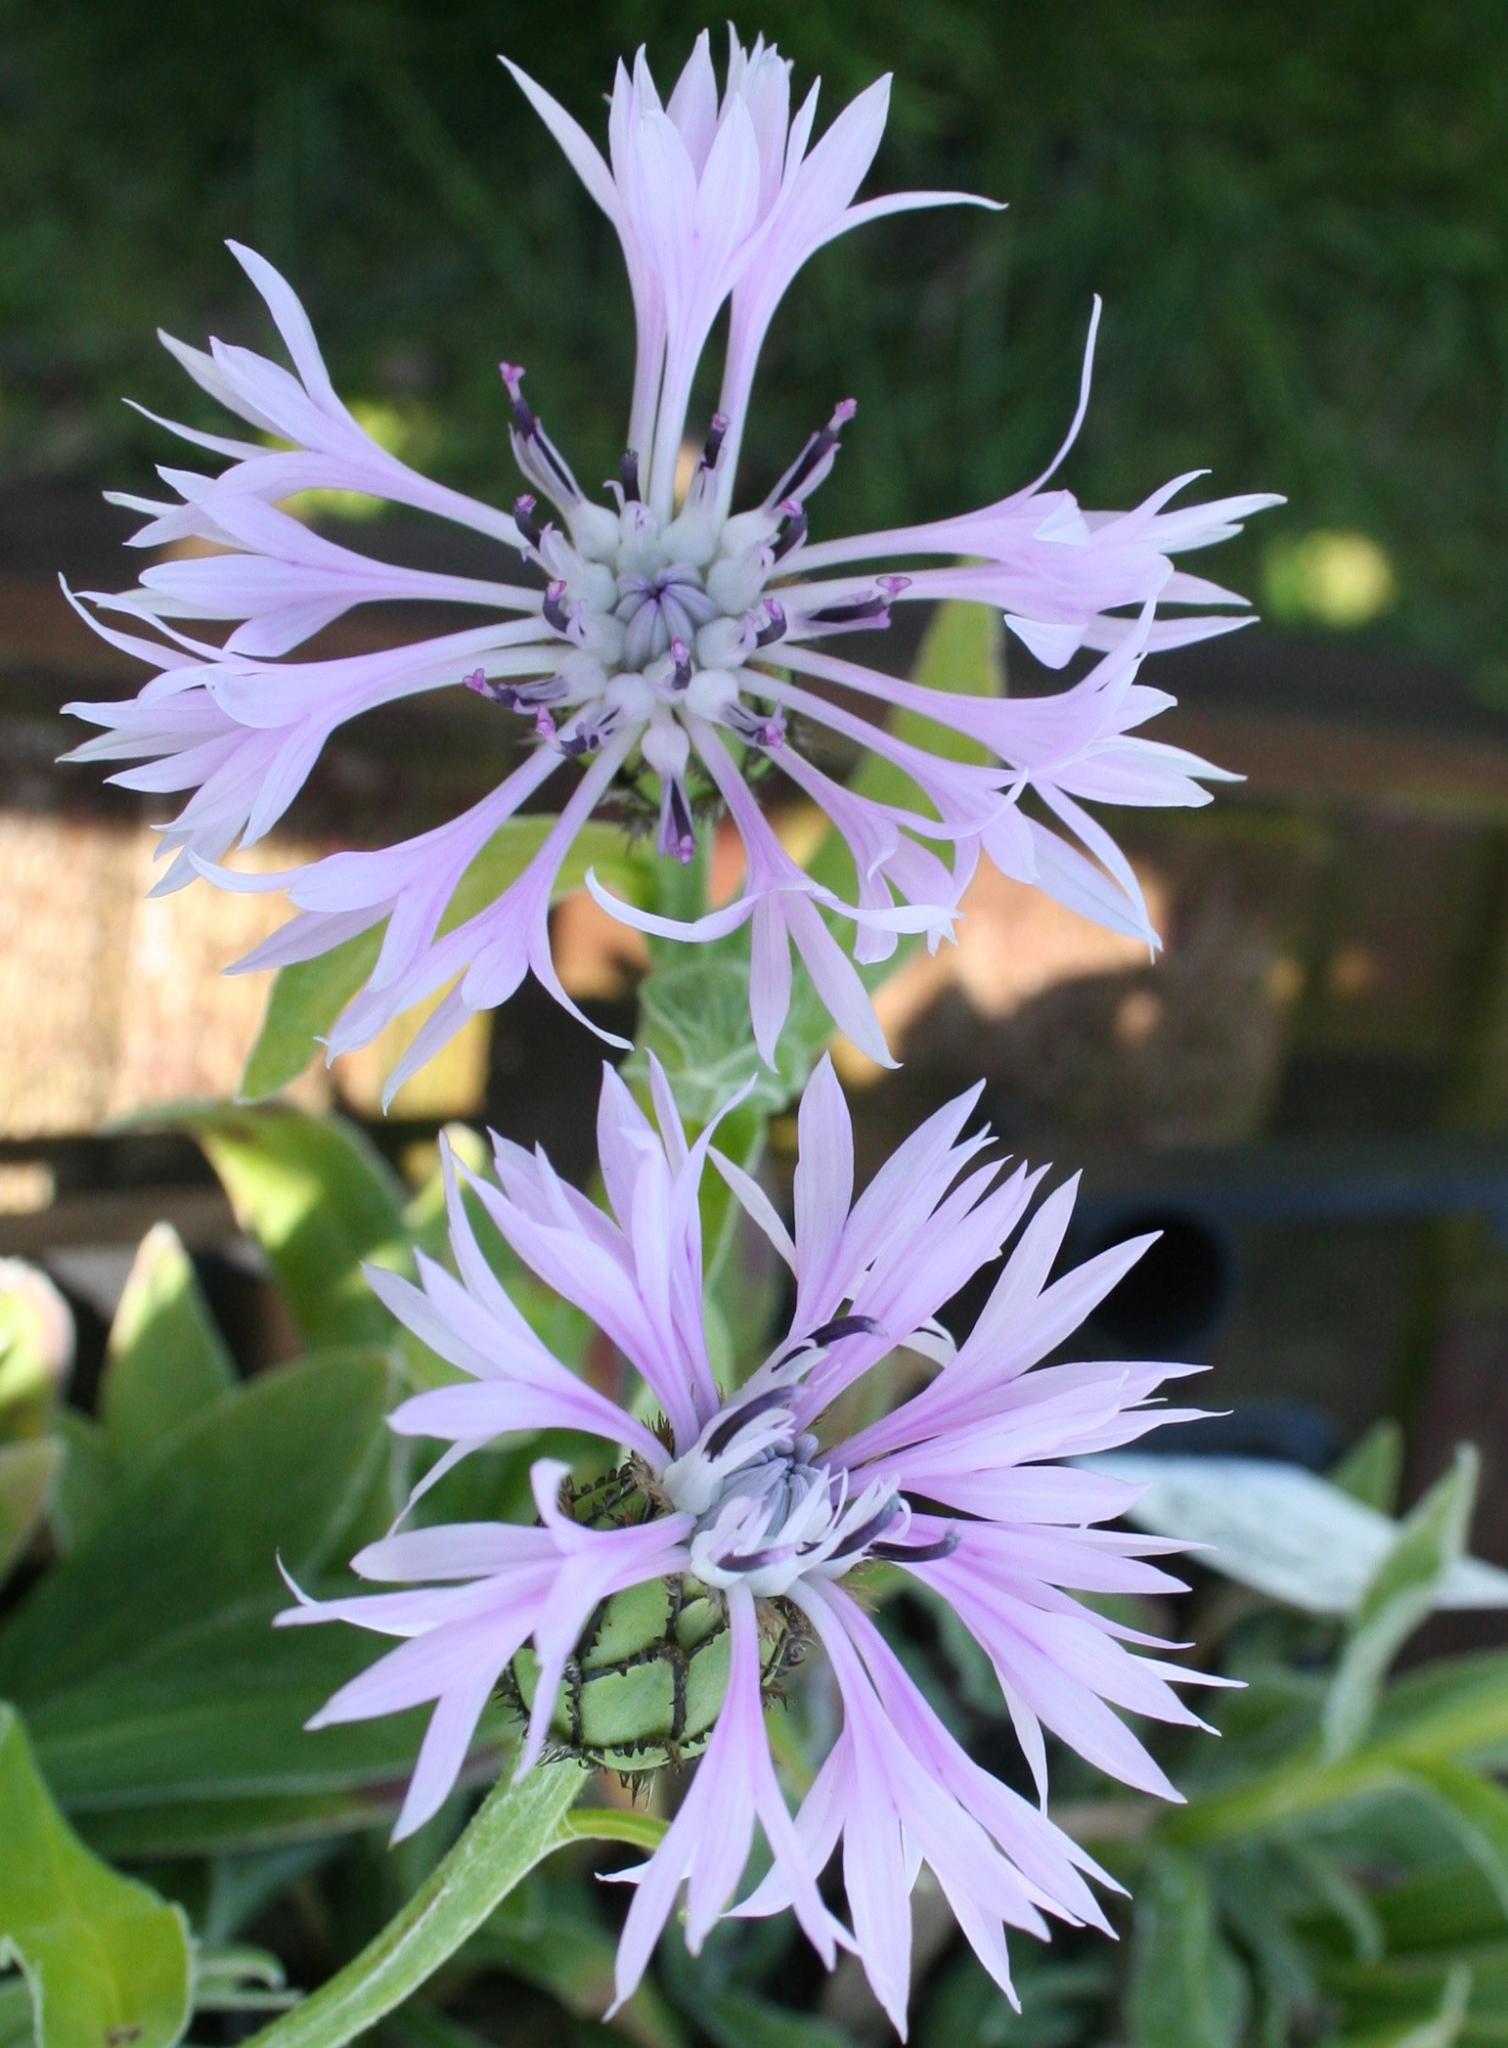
(677, 827)
(554, 608)
(717, 433)
(774, 627)
(792, 529)
(680, 654)
(918, 1553)
(524, 519)
(513, 377)
(628, 474)
(865, 611)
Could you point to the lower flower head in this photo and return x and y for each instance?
(655, 1608)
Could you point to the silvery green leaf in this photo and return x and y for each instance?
(1402, 1592)
(1284, 1531)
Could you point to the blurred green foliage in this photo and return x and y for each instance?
(1296, 217)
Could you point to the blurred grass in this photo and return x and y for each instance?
(1297, 218)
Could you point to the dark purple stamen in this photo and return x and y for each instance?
(759, 732)
(731, 1424)
(588, 738)
(791, 531)
(523, 415)
(526, 422)
(753, 1560)
(517, 696)
(678, 839)
(717, 433)
(822, 443)
(833, 1333)
(846, 1326)
(523, 518)
(549, 690)
(555, 613)
(680, 654)
(864, 611)
(920, 1553)
(628, 473)
(774, 627)
(865, 1534)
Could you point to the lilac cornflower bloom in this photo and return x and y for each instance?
(657, 645)
(650, 1613)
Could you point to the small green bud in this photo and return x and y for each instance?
(646, 1681)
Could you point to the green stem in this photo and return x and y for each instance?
(1293, 1793)
(683, 891)
(516, 1827)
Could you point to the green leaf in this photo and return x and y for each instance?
(165, 1359)
(306, 999)
(36, 1349)
(694, 1016)
(236, 1890)
(1059, 2003)
(738, 2019)
(742, 1293)
(1401, 1595)
(515, 1828)
(302, 1006)
(421, 2026)
(1338, 1893)
(1187, 1988)
(1441, 2029)
(240, 1978)
(1373, 1467)
(545, 1934)
(1476, 1811)
(107, 1963)
(1455, 1707)
(318, 1198)
(16, 2028)
(1285, 1531)
(88, 1478)
(322, 1792)
(146, 1659)
(505, 856)
(28, 1473)
(643, 1831)
(1258, 1909)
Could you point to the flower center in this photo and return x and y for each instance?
(769, 1511)
(657, 611)
(650, 627)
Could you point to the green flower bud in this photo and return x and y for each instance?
(646, 1682)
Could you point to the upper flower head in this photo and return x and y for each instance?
(650, 1611)
(657, 647)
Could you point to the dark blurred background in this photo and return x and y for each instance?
(1297, 219)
